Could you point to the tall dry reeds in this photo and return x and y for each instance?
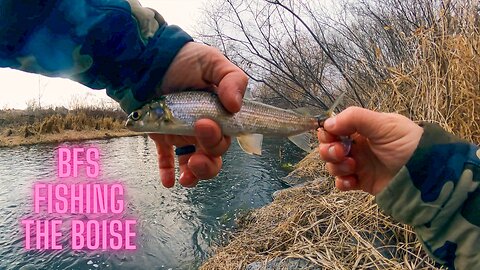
(78, 121)
(49, 121)
(441, 81)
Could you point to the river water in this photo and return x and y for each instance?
(176, 228)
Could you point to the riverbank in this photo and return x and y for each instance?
(436, 81)
(65, 136)
(27, 127)
(318, 227)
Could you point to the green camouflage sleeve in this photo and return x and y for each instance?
(437, 192)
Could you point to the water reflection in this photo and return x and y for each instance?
(176, 227)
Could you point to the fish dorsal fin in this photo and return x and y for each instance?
(302, 141)
(251, 143)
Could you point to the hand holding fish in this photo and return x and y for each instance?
(383, 144)
(201, 67)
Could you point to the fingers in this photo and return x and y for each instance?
(231, 90)
(344, 168)
(326, 137)
(339, 165)
(187, 177)
(203, 166)
(166, 160)
(230, 79)
(332, 152)
(346, 183)
(200, 165)
(210, 138)
(354, 119)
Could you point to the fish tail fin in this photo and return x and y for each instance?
(331, 111)
(304, 140)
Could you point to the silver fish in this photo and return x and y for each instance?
(177, 113)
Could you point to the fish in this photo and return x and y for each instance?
(177, 113)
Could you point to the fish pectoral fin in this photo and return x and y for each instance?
(251, 143)
(303, 141)
(248, 95)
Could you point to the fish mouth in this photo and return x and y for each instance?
(130, 124)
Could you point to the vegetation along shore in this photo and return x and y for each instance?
(419, 58)
(54, 125)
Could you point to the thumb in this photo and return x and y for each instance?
(355, 120)
(230, 80)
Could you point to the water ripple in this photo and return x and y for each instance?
(176, 227)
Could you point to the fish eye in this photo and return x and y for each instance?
(135, 116)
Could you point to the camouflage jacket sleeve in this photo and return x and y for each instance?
(437, 192)
(104, 44)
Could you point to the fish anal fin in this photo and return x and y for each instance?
(302, 141)
(251, 143)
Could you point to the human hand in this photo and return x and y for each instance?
(382, 144)
(198, 66)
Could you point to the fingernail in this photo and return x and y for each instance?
(331, 151)
(346, 184)
(330, 123)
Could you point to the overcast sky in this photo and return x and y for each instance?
(19, 87)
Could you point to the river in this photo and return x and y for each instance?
(176, 228)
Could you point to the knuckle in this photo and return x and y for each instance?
(214, 50)
(213, 144)
(352, 110)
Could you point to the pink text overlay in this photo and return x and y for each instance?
(74, 203)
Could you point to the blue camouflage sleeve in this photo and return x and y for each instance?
(116, 45)
(438, 193)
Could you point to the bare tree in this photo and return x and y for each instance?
(304, 52)
(42, 85)
(272, 48)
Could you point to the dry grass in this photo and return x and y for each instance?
(65, 136)
(441, 83)
(333, 230)
(311, 167)
(47, 126)
(327, 228)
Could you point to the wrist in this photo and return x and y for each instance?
(400, 151)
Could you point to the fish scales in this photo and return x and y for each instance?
(177, 113)
(254, 117)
